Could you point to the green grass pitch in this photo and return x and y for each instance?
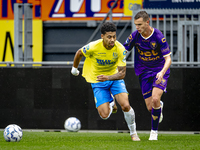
(99, 141)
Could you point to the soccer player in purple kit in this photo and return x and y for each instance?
(152, 65)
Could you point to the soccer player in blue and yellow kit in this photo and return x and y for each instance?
(105, 68)
(152, 62)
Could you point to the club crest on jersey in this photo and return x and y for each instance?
(115, 55)
(153, 44)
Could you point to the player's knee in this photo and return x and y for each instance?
(105, 118)
(104, 115)
(155, 100)
(125, 107)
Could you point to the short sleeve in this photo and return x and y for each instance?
(164, 47)
(122, 55)
(86, 50)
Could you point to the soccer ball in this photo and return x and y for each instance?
(13, 133)
(72, 124)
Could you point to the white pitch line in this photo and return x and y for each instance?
(110, 131)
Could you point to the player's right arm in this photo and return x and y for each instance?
(77, 58)
(119, 75)
(130, 41)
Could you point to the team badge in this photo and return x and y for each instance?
(115, 55)
(163, 81)
(153, 44)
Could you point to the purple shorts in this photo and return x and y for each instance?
(148, 81)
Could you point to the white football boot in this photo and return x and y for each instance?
(135, 137)
(153, 135)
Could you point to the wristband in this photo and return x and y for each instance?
(75, 71)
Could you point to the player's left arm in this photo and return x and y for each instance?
(119, 75)
(166, 66)
(165, 50)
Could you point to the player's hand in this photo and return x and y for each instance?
(75, 71)
(102, 78)
(159, 77)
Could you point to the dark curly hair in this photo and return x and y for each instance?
(108, 27)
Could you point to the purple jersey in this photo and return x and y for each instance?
(149, 52)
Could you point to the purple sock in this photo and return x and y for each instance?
(155, 116)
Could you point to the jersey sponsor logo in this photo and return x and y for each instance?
(85, 48)
(165, 50)
(149, 58)
(102, 55)
(105, 62)
(124, 53)
(124, 60)
(153, 45)
(128, 39)
(151, 55)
